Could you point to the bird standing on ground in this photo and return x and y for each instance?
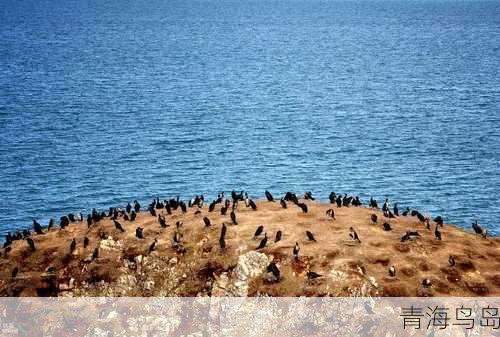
(72, 245)
(37, 227)
(310, 236)
(258, 231)
(303, 207)
(354, 235)
(273, 269)
(138, 233)
(278, 236)
(263, 242)
(437, 233)
(296, 250)
(118, 226)
(269, 196)
(311, 275)
(233, 218)
(152, 246)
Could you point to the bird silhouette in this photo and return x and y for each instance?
(283, 203)
(303, 207)
(258, 232)
(233, 218)
(310, 236)
(263, 242)
(278, 236)
(269, 196)
(296, 250)
(72, 245)
(118, 226)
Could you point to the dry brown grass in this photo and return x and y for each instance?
(476, 271)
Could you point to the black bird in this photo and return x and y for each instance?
(420, 217)
(37, 227)
(339, 201)
(125, 217)
(128, 208)
(392, 271)
(71, 217)
(138, 233)
(406, 212)
(278, 236)
(133, 216)
(374, 218)
(162, 221)
(118, 226)
(223, 231)
(252, 204)
(197, 211)
(223, 210)
(331, 213)
(385, 206)
(152, 246)
(302, 206)
(283, 203)
(405, 237)
(51, 224)
(182, 204)
(137, 206)
(354, 235)
(31, 243)
(477, 228)
(14, 272)
(233, 218)
(451, 261)
(332, 197)
(312, 275)
(308, 196)
(437, 233)
(387, 227)
(85, 242)
(168, 208)
(178, 224)
(72, 245)
(95, 254)
(273, 269)
(222, 237)
(426, 283)
(296, 250)
(211, 207)
(207, 221)
(269, 196)
(258, 232)
(263, 242)
(152, 211)
(438, 220)
(89, 221)
(310, 236)
(395, 209)
(222, 243)
(63, 222)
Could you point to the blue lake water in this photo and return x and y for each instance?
(102, 102)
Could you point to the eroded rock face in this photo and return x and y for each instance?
(250, 265)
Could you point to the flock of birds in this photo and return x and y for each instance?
(229, 204)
